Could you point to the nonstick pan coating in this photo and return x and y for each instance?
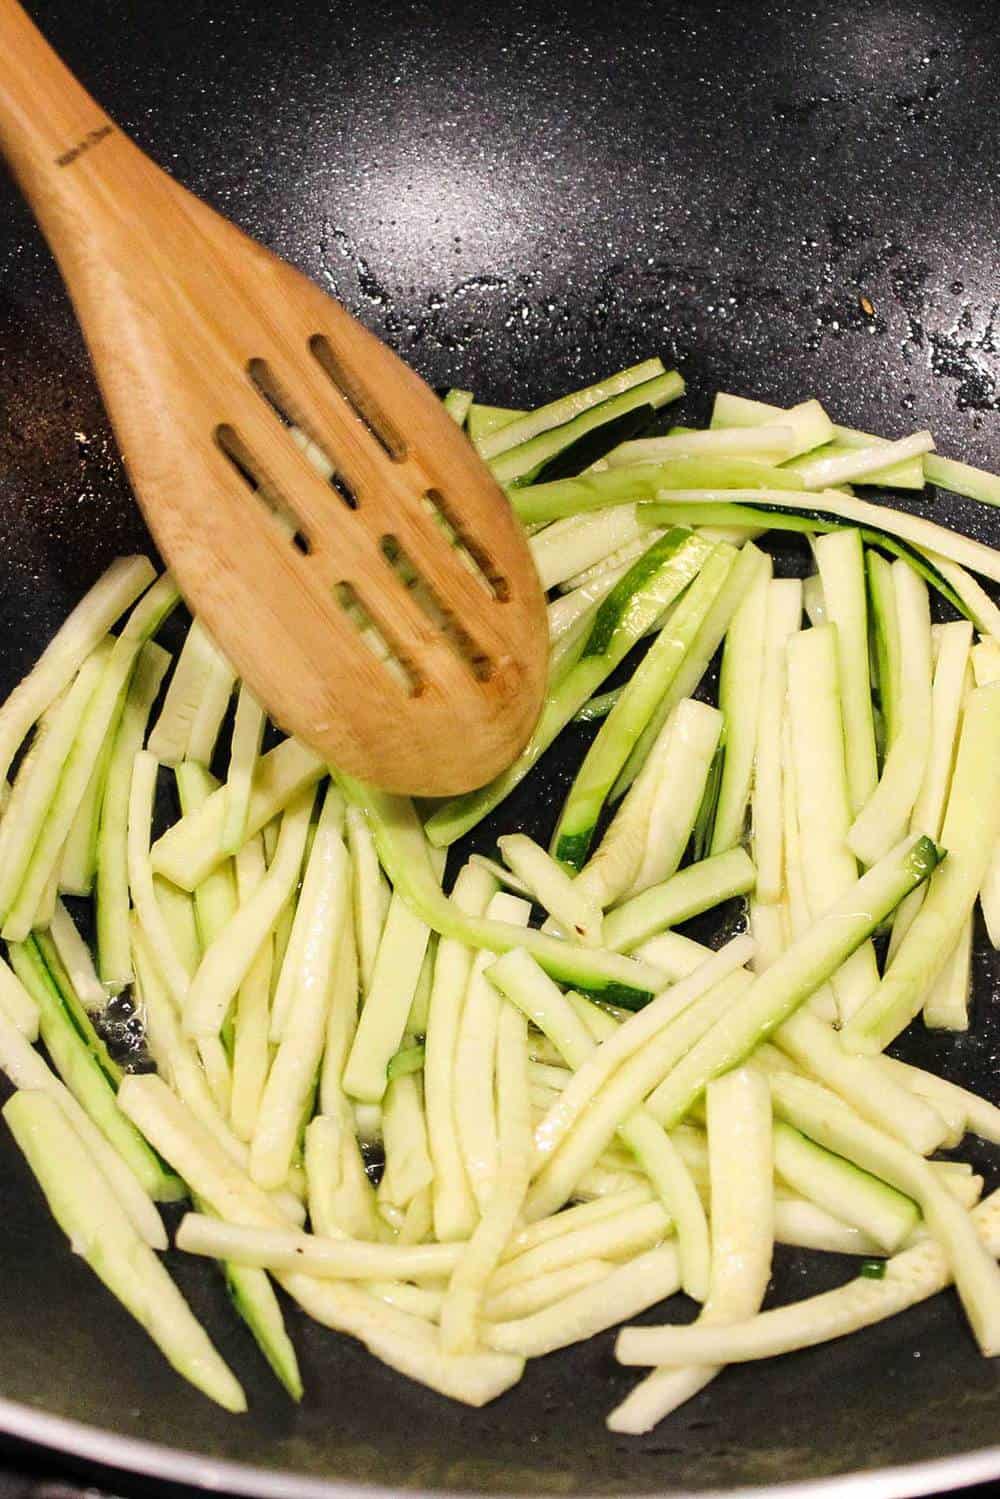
(521, 198)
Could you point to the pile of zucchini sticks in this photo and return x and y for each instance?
(472, 1116)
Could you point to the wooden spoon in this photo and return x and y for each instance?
(322, 513)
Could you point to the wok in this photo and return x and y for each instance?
(519, 199)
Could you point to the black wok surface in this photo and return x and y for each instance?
(519, 199)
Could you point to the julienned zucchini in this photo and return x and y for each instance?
(519, 465)
(635, 603)
(75, 1012)
(772, 515)
(787, 983)
(633, 711)
(254, 1299)
(513, 429)
(403, 851)
(82, 1072)
(89, 1214)
(643, 481)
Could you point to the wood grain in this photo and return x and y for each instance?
(176, 304)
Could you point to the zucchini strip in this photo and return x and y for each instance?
(682, 769)
(517, 428)
(76, 639)
(341, 1198)
(739, 702)
(26, 1069)
(818, 768)
(834, 1124)
(694, 889)
(88, 1212)
(613, 867)
(248, 731)
(824, 510)
(553, 889)
(910, 1277)
(388, 1001)
(770, 444)
(840, 559)
(535, 1295)
(885, 650)
(474, 1109)
(188, 852)
(911, 1118)
(253, 1297)
(17, 1006)
(198, 1154)
(328, 1259)
(848, 1193)
(809, 422)
(482, 420)
(783, 618)
(648, 1278)
(741, 1168)
(635, 603)
(779, 991)
(370, 897)
(645, 482)
(457, 403)
(78, 860)
(947, 1005)
(215, 899)
(251, 1024)
(81, 1070)
(952, 681)
(296, 1063)
(634, 709)
(978, 1115)
(228, 958)
(462, 1307)
(962, 478)
(408, 1170)
(907, 474)
(748, 565)
(627, 1233)
(178, 913)
(37, 781)
(586, 544)
(884, 817)
(114, 956)
(521, 464)
(969, 833)
(100, 718)
(142, 793)
(170, 735)
(861, 463)
(455, 1206)
(74, 955)
(343, 1020)
(210, 710)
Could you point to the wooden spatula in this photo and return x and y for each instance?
(321, 512)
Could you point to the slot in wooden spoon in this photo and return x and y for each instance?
(321, 512)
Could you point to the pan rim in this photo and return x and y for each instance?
(134, 1455)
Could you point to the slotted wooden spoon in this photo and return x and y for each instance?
(321, 512)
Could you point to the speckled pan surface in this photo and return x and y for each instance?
(520, 198)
